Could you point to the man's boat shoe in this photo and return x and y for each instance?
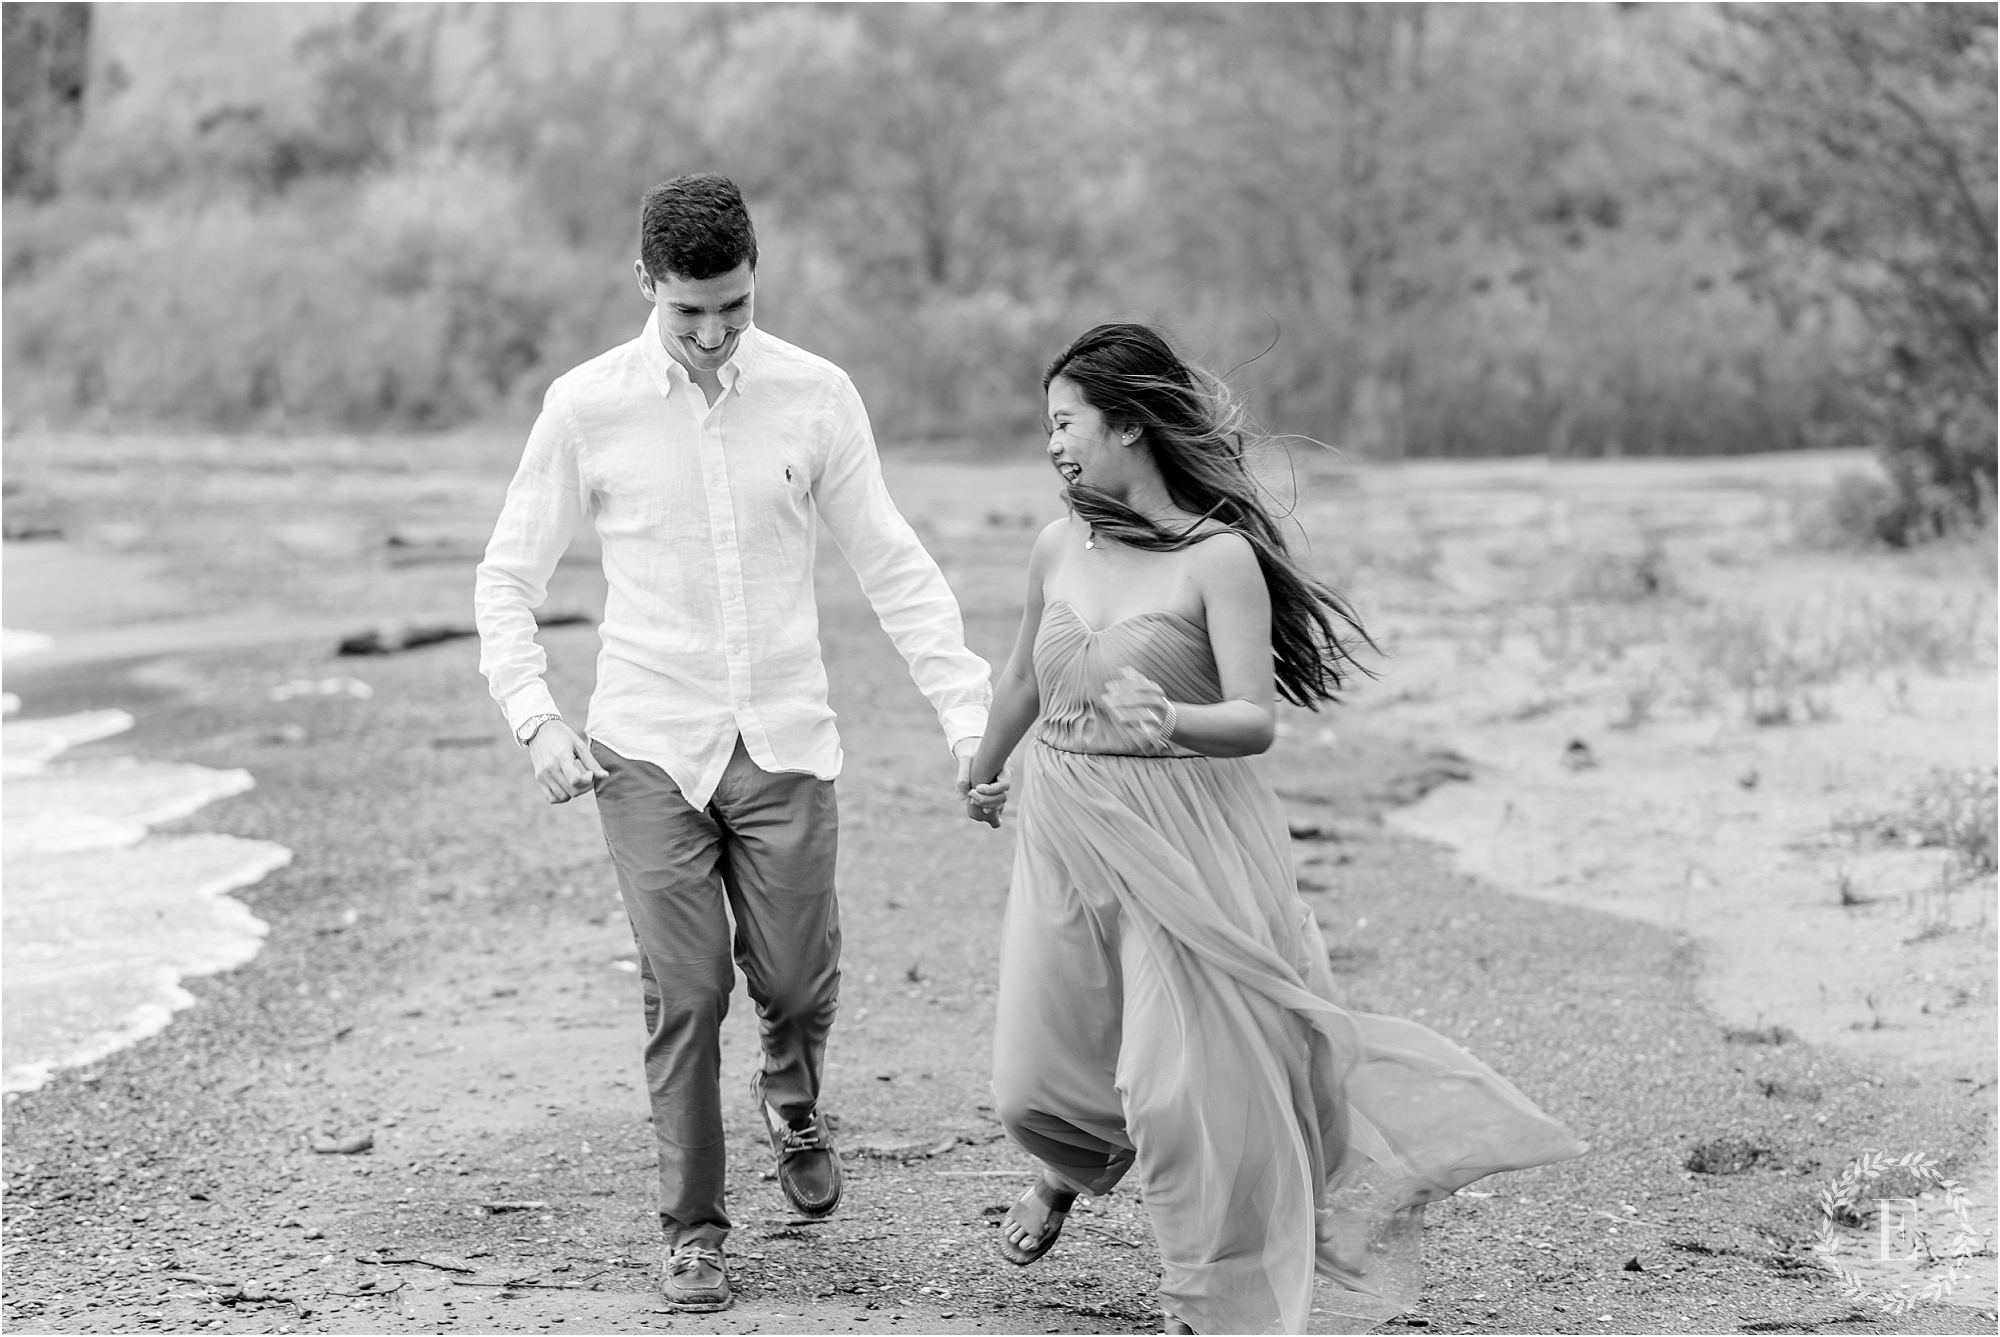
(808, 1165)
(696, 1279)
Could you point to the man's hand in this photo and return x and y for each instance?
(563, 765)
(982, 802)
(965, 749)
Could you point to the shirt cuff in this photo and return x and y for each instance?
(530, 701)
(963, 722)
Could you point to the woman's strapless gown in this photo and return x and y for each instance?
(1165, 1002)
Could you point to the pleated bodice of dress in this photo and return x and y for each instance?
(1074, 662)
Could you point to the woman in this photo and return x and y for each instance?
(1165, 1001)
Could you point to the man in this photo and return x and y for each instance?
(702, 451)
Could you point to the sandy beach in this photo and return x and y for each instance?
(447, 970)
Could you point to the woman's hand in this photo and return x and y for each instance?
(983, 803)
(1137, 705)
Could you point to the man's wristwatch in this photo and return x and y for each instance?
(529, 728)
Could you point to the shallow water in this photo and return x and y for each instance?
(100, 920)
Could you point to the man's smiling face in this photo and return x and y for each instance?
(702, 319)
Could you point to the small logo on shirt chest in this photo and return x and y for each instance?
(788, 473)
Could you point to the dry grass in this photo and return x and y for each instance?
(1624, 577)
(1952, 810)
(1660, 592)
(1771, 666)
(1777, 668)
(1651, 652)
(1936, 637)
(1934, 907)
(1949, 810)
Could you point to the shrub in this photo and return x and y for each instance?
(1859, 510)
(1846, 120)
(422, 298)
(1779, 668)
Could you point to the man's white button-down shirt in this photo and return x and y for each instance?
(706, 513)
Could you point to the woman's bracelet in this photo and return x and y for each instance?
(1168, 723)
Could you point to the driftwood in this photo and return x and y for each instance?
(396, 635)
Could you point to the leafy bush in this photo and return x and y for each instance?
(1476, 229)
(422, 298)
(1859, 510)
(1862, 166)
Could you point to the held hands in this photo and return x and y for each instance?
(982, 802)
(563, 765)
(1137, 705)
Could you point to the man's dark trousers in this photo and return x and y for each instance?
(765, 847)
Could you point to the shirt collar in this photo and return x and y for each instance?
(667, 371)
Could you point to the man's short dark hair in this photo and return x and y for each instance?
(695, 227)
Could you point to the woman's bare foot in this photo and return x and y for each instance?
(1032, 1224)
(1175, 1325)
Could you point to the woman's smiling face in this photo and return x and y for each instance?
(1083, 446)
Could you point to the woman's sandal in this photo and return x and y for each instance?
(1058, 1201)
(1174, 1325)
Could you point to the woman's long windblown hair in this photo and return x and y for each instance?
(1201, 438)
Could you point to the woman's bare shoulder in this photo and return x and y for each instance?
(1052, 537)
(1223, 549)
(1225, 567)
(1048, 543)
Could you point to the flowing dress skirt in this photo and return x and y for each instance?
(1165, 1003)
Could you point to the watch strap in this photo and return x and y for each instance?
(532, 726)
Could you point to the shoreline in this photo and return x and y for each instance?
(448, 971)
(104, 920)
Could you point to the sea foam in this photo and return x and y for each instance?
(100, 922)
